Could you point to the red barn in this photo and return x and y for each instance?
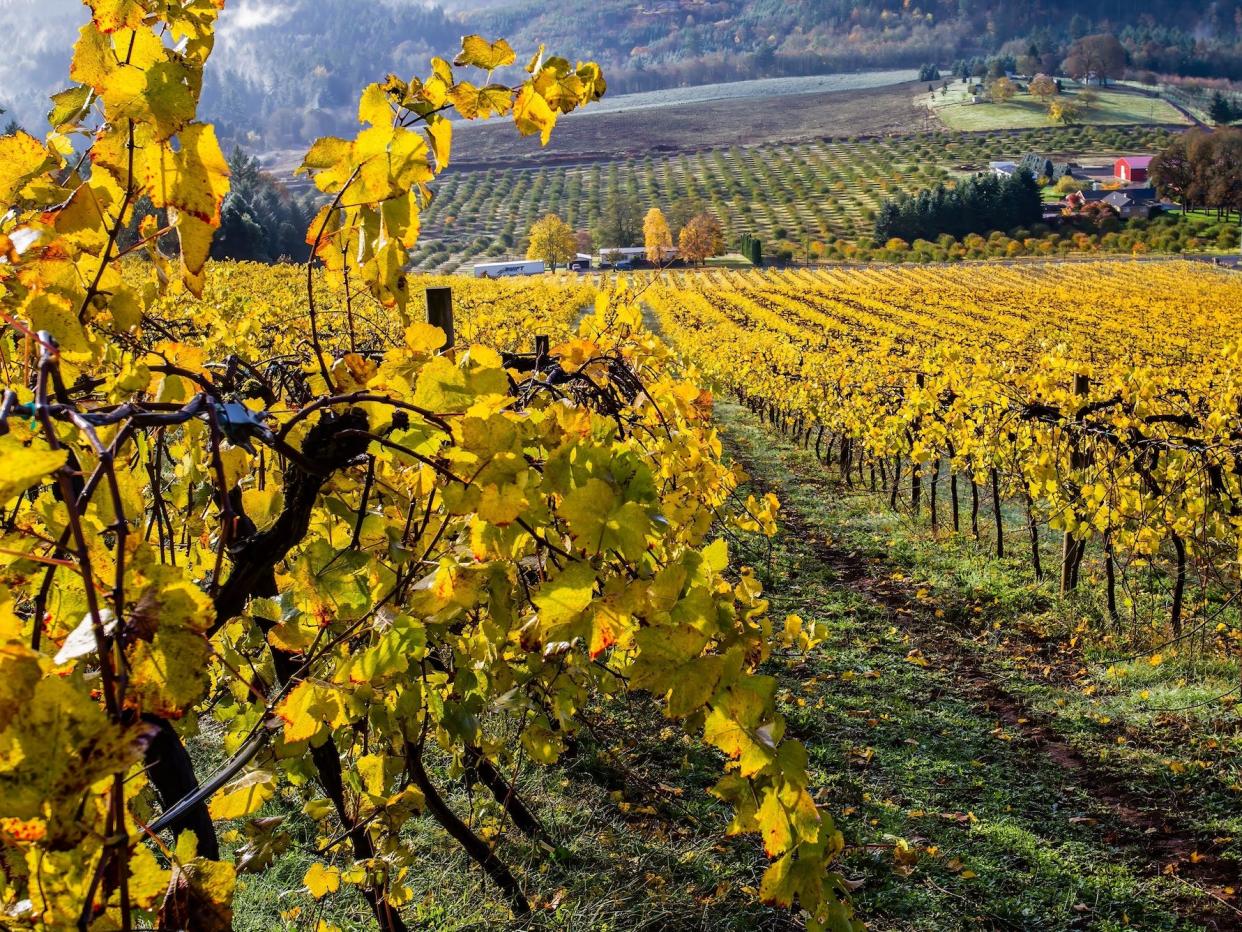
(1132, 168)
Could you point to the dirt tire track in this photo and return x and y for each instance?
(1153, 834)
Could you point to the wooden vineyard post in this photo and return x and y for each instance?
(916, 472)
(1071, 550)
(440, 313)
(974, 507)
(953, 490)
(996, 514)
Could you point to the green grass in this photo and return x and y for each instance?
(1112, 106)
(922, 752)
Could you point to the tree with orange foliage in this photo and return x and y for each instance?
(700, 238)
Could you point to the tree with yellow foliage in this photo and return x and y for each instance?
(657, 237)
(552, 240)
(1002, 90)
(700, 238)
(1063, 110)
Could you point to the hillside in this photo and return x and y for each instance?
(805, 191)
(274, 85)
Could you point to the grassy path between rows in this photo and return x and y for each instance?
(966, 803)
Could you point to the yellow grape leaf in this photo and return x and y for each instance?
(159, 94)
(305, 709)
(774, 824)
(374, 106)
(407, 163)
(479, 53)
(169, 673)
(566, 594)
(321, 880)
(575, 354)
(375, 770)
(143, 83)
(147, 880)
(81, 221)
(694, 685)
(591, 77)
(536, 61)
(776, 887)
(600, 525)
(19, 675)
(111, 15)
(440, 138)
(169, 656)
(481, 102)
(542, 744)
(738, 724)
(663, 654)
(444, 386)
(263, 505)
(293, 636)
(330, 162)
(607, 626)
(93, 58)
(423, 338)
(531, 114)
(435, 90)
(243, 796)
(68, 106)
(199, 175)
(194, 179)
(21, 158)
(52, 313)
(562, 91)
(716, 554)
(195, 236)
(501, 504)
(25, 466)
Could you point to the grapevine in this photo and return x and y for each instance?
(1120, 424)
(287, 512)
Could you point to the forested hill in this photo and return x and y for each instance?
(288, 70)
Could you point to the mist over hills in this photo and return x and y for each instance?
(286, 71)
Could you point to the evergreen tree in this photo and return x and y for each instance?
(1221, 112)
(980, 205)
(260, 217)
